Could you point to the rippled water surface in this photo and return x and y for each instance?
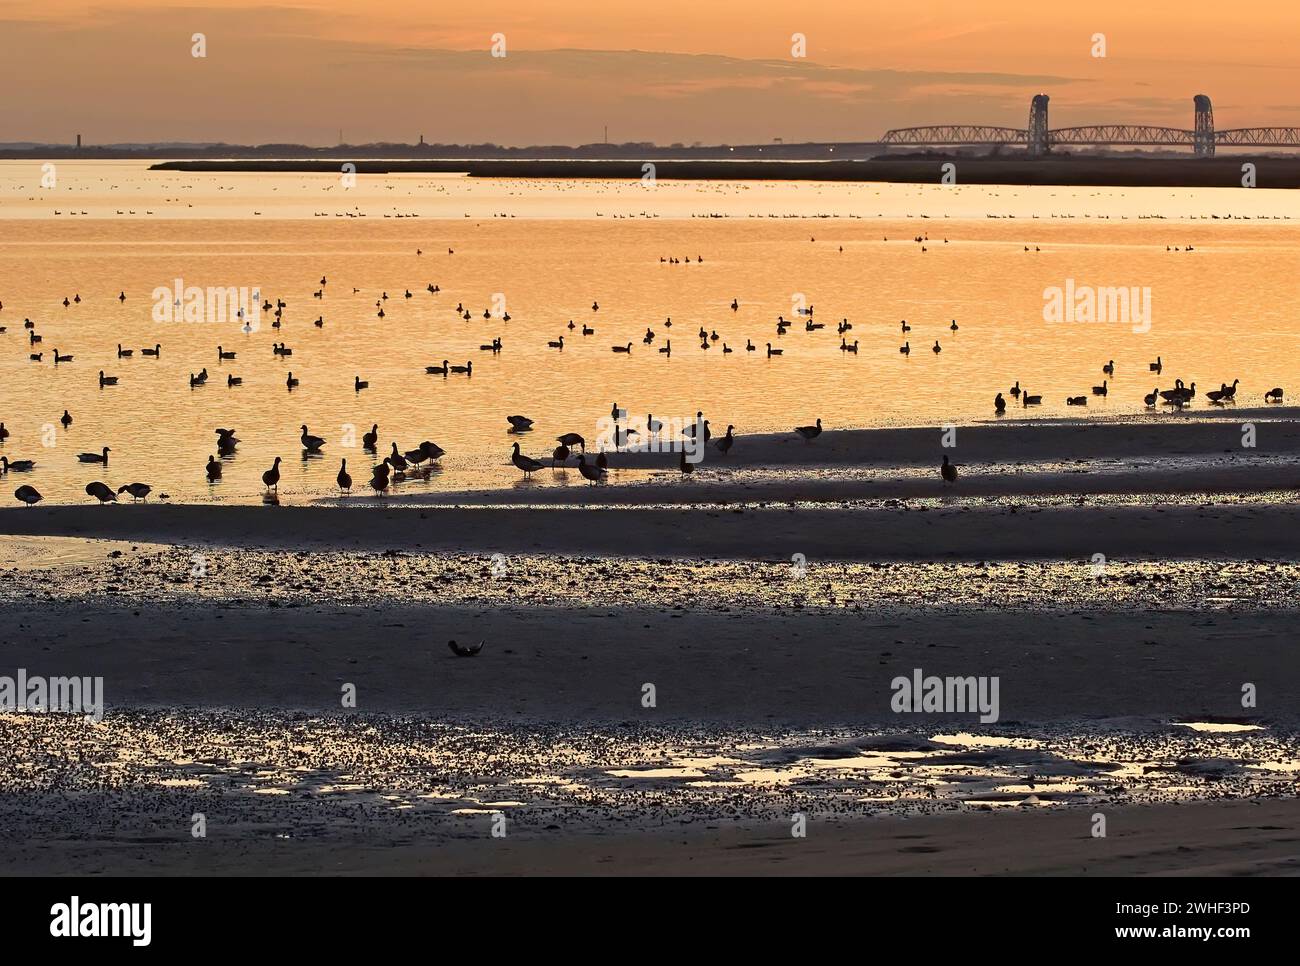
(553, 250)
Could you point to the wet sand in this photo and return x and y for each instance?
(668, 585)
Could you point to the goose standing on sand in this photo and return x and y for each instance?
(809, 433)
(101, 457)
(311, 444)
(1152, 397)
(571, 440)
(379, 479)
(525, 463)
(724, 445)
(344, 479)
(592, 474)
(1274, 395)
(684, 465)
(28, 494)
(213, 469)
(272, 476)
(431, 451)
(948, 470)
(101, 492)
(559, 455)
(465, 650)
(138, 491)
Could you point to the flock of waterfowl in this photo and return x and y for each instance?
(1179, 397)
(398, 464)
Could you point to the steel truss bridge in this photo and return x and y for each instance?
(1040, 139)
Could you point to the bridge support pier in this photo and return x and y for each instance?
(1039, 140)
(1203, 131)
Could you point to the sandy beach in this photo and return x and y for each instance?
(689, 584)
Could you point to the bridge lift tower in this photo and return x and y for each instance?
(1039, 143)
(1203, 132)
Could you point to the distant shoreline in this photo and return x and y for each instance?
(1271, 172)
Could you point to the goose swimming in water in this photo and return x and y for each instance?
(773, 352)
(66, 419)
(809, 433)
(519, 424)
(156, 351)
(1015, 390)
(106, 380)
(311, 443)
(223, 354)
(28, 494)
(467, 369)
(1109, 368)
(213, 469)
(557, 344)
(16, 466)
(1100, 390)
(905, 348)
(138, 491)
(124, 353)
(936, 349)
(1029, 400)
(101, 492)
(290, 381)
(667, 348)
(999, 404)
(1076, 401)
(358, 384)
(1156, 366)
(371, 439)
(198, 380)
(272, 476)
(101, 457)
(620, 348)
(441, 370)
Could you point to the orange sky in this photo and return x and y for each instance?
(662, 70)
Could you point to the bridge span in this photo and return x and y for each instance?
(1039, 139)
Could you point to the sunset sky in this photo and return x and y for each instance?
(666, 71)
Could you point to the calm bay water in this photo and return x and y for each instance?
(551, 249)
